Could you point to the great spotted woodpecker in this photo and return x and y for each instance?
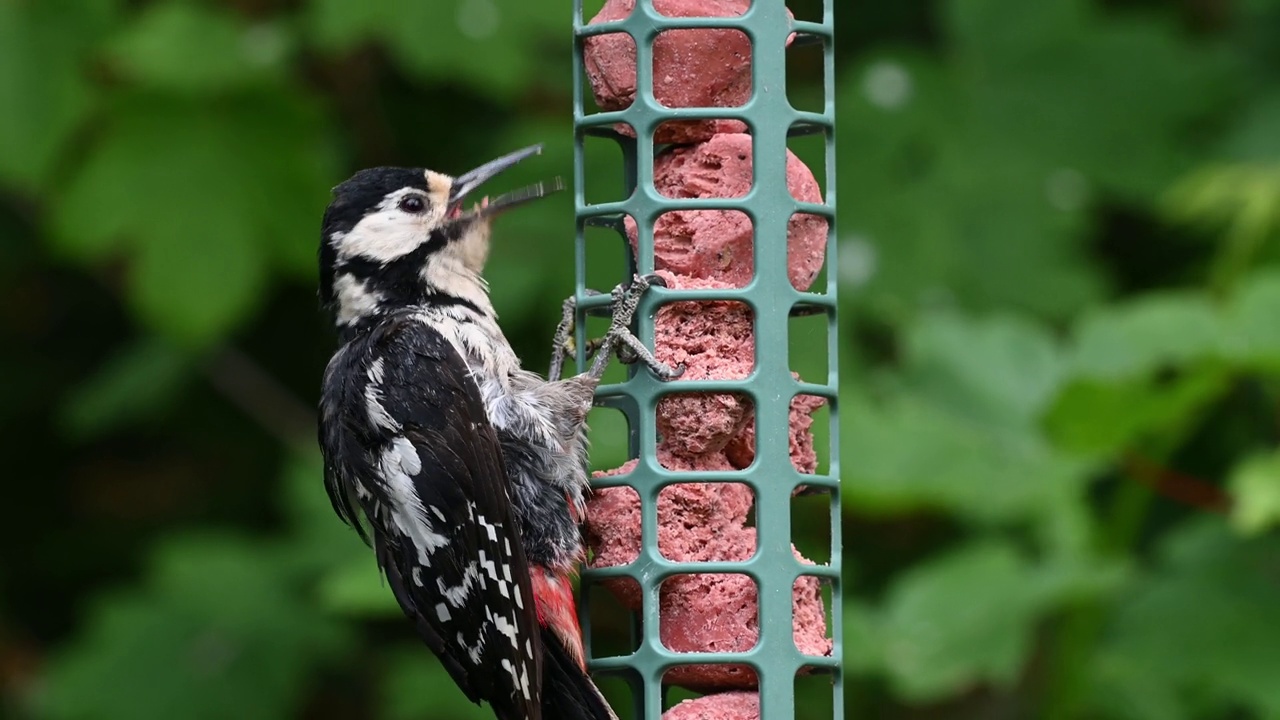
(469, 471)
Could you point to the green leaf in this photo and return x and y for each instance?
(216, 634)
(43, 47)
(188, 47)
(304, 499)
(1102, 418)
(132, 385)
(1255, 491)
(198, 280)
(1109, 95)
(1253, 333)
(320, 544)
(202, 202)
(863, 644)
(1011, 30)
(416, 686)
(511, 35)
(970, 174)
(962, 433)
(1134, 339)
(1200, 631)
(1243, 198)
(341, 25)
(1001, 370)
(1253, 137)
(1120, 356)
(358, 588)
(968, 617)
(912, 455)
(608, 437)
(906, 118)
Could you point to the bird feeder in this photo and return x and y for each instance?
(736, 224)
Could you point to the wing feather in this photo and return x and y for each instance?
(435, 492)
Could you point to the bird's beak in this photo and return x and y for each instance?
(467, 182)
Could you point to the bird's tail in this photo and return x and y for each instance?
(567, 691)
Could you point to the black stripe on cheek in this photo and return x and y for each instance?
(408, 264)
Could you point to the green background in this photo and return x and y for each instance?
(1060, 288)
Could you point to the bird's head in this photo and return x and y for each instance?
(399, 236)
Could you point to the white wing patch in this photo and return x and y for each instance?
(515, 675)
(377, 412)
(457, 596)
(400, 462)
(506, 627)
(476, 652)
(490, 568)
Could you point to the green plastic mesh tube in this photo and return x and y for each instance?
(772, 300)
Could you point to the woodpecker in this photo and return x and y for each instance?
(469, 471)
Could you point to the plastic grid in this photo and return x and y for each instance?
(772, 299)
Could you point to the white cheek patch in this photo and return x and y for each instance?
(383, 236)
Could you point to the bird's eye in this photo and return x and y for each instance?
(412, 204)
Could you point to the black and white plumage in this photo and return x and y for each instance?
(425, 468)
(469, 470)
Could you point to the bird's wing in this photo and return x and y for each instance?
(442, 522)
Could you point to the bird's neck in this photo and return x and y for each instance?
(447, 280)
(442, 281)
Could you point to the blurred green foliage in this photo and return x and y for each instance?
(1060, 286)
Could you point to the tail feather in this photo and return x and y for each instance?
(567, 691)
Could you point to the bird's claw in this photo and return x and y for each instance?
(619, 339)
(563, 344)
